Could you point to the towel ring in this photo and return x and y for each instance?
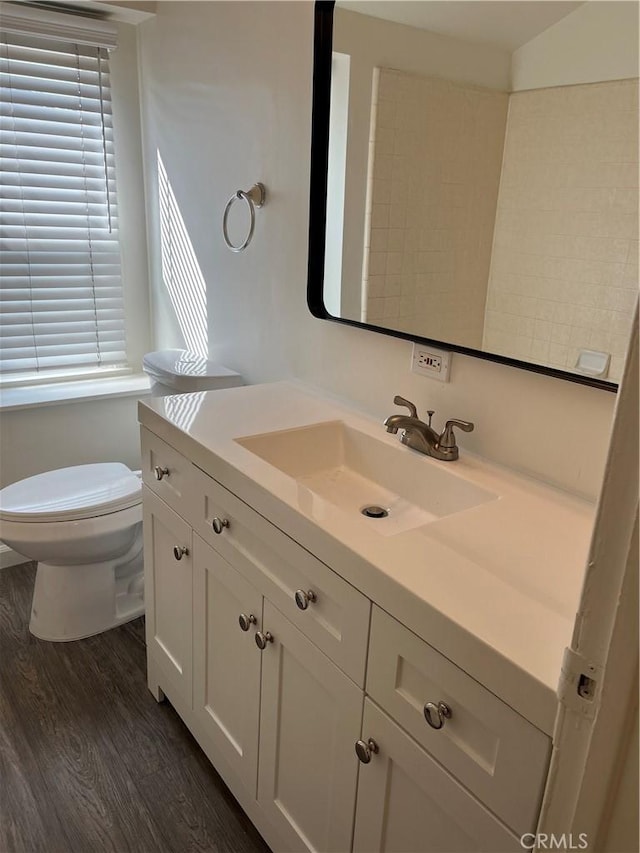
(255, 197)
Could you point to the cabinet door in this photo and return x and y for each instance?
(407, 803)
(226, 679)
(310, 715)
(168, 596)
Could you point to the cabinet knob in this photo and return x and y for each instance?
(303, 598)
(246, 622)
(160, 472)
(179, 551)
(219, 524)
(364, 749)
(435, 715)
(263, 639)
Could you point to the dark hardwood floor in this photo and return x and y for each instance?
(88, 760)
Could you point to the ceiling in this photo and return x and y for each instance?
(504, 23)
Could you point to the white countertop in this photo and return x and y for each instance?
(494, 588)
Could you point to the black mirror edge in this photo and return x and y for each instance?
(321, 101)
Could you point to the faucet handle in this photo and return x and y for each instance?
(448, 439)
(400, 401)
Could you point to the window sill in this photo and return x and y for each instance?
(55, 394)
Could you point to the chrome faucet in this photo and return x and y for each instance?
(421, 437)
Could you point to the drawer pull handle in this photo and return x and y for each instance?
(160, 472)
(263, 639)
(364, 749)
(246, 621)
(435, 715)
(303, 598)
(219, 524)
(179, 551)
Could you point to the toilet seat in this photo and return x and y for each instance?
(72, 494)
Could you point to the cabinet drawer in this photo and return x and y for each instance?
(337, 621)
(166, 472)
(490, 748)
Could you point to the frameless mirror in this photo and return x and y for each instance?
(474, 178)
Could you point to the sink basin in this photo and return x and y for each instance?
(354, 471)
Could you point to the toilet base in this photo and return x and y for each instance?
(74, 602)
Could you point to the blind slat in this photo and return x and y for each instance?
(29, 185)
(15, 204)
(32, 51)
(53, 168)
(49, 227)
(42, 147)
(89, 277)
(73, 267)
(43, 133)
(15, 118)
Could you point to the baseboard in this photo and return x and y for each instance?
(8, 557)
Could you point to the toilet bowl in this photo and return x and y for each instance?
(84, 524)
(84, 527)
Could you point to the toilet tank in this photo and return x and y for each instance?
(178, 371)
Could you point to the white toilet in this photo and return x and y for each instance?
(84, 524)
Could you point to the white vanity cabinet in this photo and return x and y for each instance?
(279, 666)
(279, 722)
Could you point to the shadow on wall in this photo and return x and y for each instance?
(181, 273)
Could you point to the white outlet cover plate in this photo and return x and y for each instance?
(420, 351)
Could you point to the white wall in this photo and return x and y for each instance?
(227, 88)
(597, 42)
(40, 439)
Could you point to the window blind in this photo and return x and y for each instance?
(61, 304)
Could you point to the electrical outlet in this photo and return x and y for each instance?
(431, 362)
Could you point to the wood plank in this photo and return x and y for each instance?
(196, 811)
(28, 823)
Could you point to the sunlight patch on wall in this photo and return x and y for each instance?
(181, 273)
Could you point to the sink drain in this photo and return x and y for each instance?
(375, 511)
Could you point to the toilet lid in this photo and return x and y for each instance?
(186, 371)
(67, 494)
